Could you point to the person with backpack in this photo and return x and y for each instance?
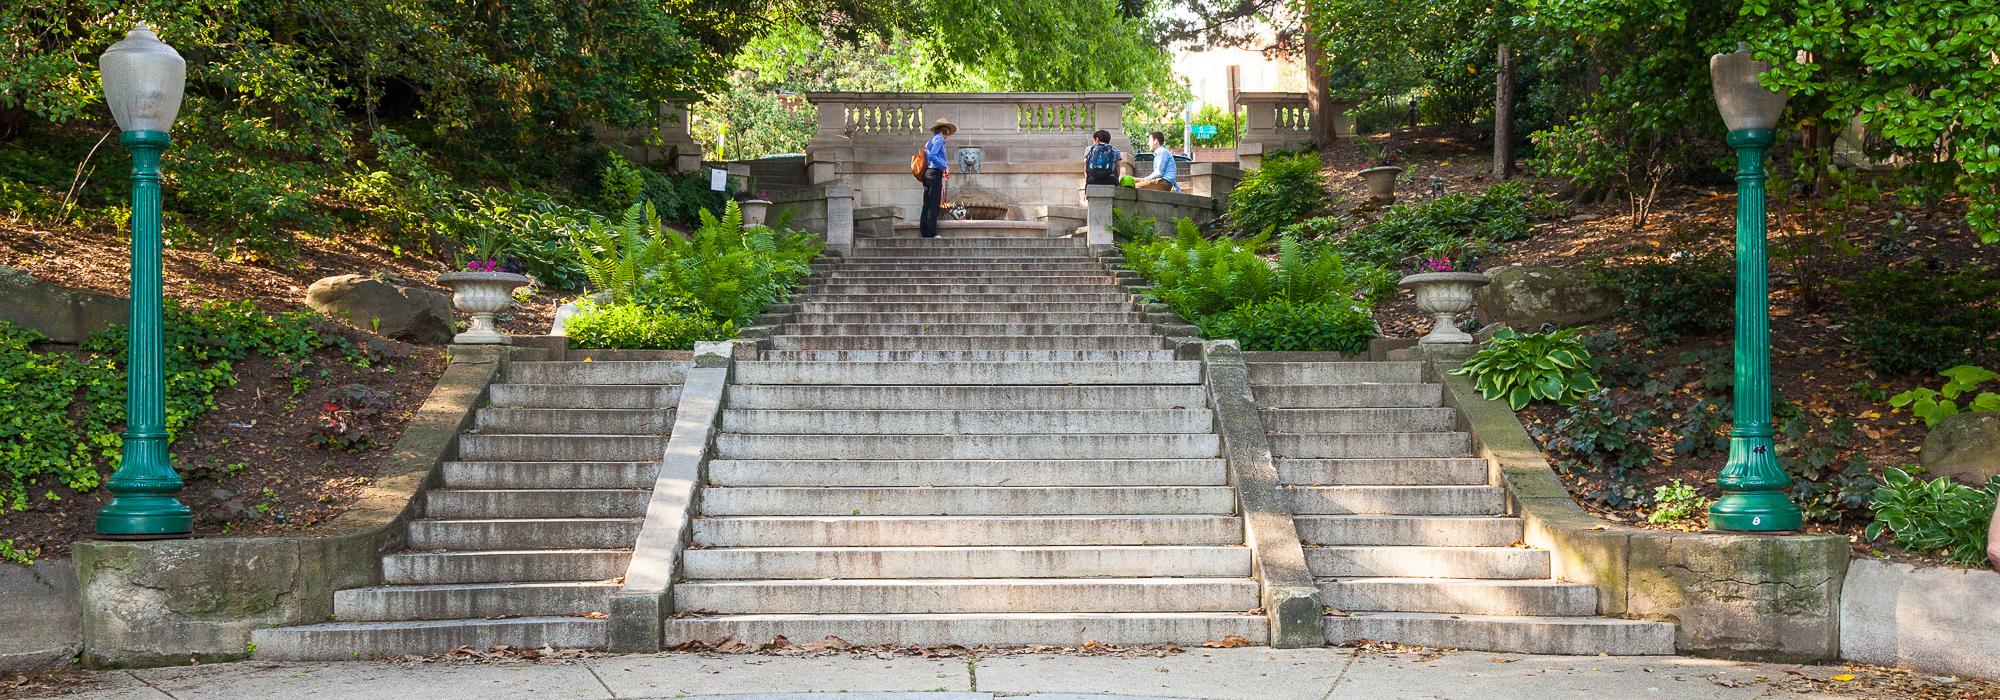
(1100, 160)
(935, 172)
(1165, 169)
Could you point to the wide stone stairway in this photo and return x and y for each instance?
(1405, 533)
(967, 440)
(523, 542)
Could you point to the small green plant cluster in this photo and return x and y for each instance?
(1907, 321)
(668, 291)
(1522, 368)
(1133, 227)
(1933, 405)
(1934, 516)
(1305, 302)
(1677, 503)
(680, 198)
(17, 554)
(1681, 295)
(1601, 441)
(65, 410)
(1282, 191)
(1468, 223)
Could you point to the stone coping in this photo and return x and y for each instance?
(821, 97)
(1940, 619)
(172, 602)
(1747, 596)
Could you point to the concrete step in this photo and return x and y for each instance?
(536, 503)
(989, 342)
(968, 355)
(1287, 373)
(1006, 595)
(894, 316)
(1050, 561)
(524, 533)
(967, 373)
(1522, 635)
(1397, 500)
(570, 421)
(929, 265)
(946, 472)
(836, 290)
(1360, 420)
(993, 629)
(970, 500)
(418, 568)
(1349, 395)
(584, 396)
(1016, 446)
(964, 307)
(1371, 445)
(956, 230)
(967, 530)
(995, 398)
(963, 278)
(1459, 596)
(1428, 562)
(343, 641)
(1464, 471)
(596, 372)
(487, 447)
(968, 329)
(1107, 296)
(935, 422)
(973, 250)
(471, 600)
(1420, 530)
(545, 475)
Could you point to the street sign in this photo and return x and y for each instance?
(1204, 131)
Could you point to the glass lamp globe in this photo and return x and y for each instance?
(1745, 103)
(143, 81)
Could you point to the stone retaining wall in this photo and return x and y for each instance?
(39, 603)
(1936, 619)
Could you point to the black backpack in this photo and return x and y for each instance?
(1102, 159)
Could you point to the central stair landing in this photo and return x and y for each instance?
(967, 441)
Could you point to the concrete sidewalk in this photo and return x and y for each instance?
(1254, 673)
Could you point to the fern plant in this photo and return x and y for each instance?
(721, 270)
(617, 255)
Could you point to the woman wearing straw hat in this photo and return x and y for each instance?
(935, 173)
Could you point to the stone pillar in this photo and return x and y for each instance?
(1097, 202)
(840, 219)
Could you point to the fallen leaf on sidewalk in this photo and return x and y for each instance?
(1229, 642)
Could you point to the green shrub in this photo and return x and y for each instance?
(1933, 405)
(530, 228)
(680, 198)
(1133, 227)
(1602, 441)
(629, 326)
(1318, 227)
(1677, 503)
(1526, 367)
(1683, 295)
(1471, 223)
(1281, 324)
(1934, 516)
(1907, 321)
(1200, 277)
(1284, 190)
(722, 269)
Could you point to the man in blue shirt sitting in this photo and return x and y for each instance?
(935, 173)
(1164, 167)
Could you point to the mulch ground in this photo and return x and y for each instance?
(1813, 362)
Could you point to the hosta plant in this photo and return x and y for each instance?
(1933, 405)
(1934, 516)
(1522, 368)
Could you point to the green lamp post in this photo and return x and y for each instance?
(1754, 487)
(143, 80)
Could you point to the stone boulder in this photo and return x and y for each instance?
(63, 314)
(1965, 447)
(1527, 297)
(382, 306)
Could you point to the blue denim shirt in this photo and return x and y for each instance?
(1165, 168)
(934, 153)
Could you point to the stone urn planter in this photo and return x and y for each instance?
(754, 211)
(1444, 295)
(482, 294)
(1381, 182)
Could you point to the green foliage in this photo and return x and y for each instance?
(17, 554)
(1826, 489)
(1906, 321)
(722, 271)
(1602, 442)
(1279, 323)
(1935, 516)
(626, 326)
(1682, 295)
(1933, 405)
(1281, 192)
(1525, 367)
(1468, 223)
(525, 227)
(679, 198)
(63, 416)
(1677, 503)
(1133, 227)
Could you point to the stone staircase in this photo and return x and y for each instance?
(1406, 535)
(967, 440)
(525, 539)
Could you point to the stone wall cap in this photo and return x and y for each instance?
(836, 96)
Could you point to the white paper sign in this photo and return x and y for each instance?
(718, 179)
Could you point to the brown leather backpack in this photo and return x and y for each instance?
(917, 163)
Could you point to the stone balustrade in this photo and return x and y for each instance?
(1276, 121)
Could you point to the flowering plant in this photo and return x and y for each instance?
(1445, 258)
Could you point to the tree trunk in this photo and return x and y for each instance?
(1503, 115)
(1318, 102)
